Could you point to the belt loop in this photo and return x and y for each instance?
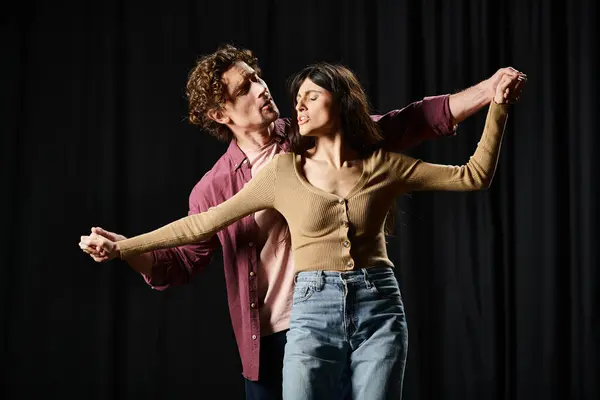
(320, 281)
(366, 277)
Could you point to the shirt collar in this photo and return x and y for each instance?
(236, 155)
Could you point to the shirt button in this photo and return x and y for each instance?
(346, 243)
(245, 161)
(253, 337)
(252, 273)
(350, 264)
(252, 305)
(250, 244)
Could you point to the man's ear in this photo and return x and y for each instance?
(217, 115)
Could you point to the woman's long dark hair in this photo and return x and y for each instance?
(351, 101)
(349, 98)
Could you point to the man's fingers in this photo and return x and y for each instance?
(510, 71)
(99, 231)
(522, 80)
(517, 88)
(518, 85)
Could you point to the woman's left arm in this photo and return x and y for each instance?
(478, 172)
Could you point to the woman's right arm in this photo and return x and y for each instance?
(258, 194)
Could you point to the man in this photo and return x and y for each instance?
(228, 98)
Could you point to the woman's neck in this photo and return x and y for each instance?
(333, 150)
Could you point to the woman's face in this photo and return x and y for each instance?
(317, 114)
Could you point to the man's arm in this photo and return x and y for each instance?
(436, 116)
(469, 101)
(419, 121)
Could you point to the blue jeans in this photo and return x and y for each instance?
(343, 320)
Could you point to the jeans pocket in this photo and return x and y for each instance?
(302, 292)
(387, 287)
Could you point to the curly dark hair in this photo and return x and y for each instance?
(206, 92)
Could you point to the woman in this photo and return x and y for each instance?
(335, 190)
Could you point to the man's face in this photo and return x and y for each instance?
(249, 105)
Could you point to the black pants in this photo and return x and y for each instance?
(270, 376)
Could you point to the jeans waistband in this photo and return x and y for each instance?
(364, 274)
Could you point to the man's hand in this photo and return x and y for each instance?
(468, 102)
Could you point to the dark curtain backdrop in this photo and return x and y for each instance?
(500, 286)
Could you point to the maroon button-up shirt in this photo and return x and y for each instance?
(402, 129)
